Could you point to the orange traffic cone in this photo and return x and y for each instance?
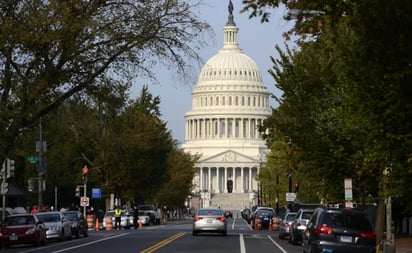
(270, 225)
(97, 225)
(140, 224)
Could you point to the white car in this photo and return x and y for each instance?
(126, 220)
(57, 225)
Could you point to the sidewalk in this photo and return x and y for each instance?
(403, 244)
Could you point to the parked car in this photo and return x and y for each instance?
(299, 225)
(209, 220)
(78, 223)
(22, 229)
(265, 215)
(153, 212)
(57, 225)
(228, 214)
(126, 219)
(339, 230)
(284, 226)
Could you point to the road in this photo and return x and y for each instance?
(175, 236)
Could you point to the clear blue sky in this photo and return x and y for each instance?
(257, 40)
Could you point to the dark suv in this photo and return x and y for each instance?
(339, 230)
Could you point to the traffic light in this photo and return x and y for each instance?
(30, 185)
(10, 168)
(84, 173)
(77, 192)
(296, 186)
(4, 188)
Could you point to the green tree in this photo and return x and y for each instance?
(51, 50)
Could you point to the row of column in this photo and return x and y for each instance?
(212, 179)
(210, 128)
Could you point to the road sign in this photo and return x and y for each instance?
(348, 192)
(33, 159)
(290, 196)
(84, 201)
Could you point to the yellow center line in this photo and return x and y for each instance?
(162, 243)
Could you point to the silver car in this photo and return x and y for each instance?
(209, 220)
(57, 225)
(284, 226)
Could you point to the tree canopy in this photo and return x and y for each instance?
(346, 103)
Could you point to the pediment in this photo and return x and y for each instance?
(229, 156)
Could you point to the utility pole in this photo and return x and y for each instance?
(41, 149)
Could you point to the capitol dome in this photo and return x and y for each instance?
(230, 63)
(223, 128)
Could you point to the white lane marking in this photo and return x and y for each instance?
(89, 243)
(242, 244)
(277, 245)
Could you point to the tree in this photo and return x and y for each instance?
(51, 50)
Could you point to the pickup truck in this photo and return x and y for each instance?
(152, 212)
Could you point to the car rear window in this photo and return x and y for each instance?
(350, 221)
(290, 217)
(210, 213)
(306, 215)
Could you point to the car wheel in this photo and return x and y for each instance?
(292, 238)
(85, 234)
(194, 233)
(77, 233)
(224, 233)
(281, 236)
(38, 240)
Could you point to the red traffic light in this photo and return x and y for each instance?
(85, 170)
(296, 186)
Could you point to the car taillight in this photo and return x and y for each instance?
(324, 230)
(198, 218)
(368, 235)
(222, 219)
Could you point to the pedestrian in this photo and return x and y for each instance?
(35, 210)
(135, 217)
(117, 217)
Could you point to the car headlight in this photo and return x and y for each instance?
(31, 231)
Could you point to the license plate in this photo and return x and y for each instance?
(208, 221)
(345, 238)
(13, 238)
(266, 218)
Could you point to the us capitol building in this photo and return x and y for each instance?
(229, 103)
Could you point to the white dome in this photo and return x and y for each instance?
(230, 65)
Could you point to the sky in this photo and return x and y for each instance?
(256, 39)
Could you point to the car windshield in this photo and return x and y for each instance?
(209, 213)
(357, 222)
(49, 217)
(16, 221)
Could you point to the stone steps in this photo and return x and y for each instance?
(231, 201)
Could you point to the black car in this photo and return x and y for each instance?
(339, 230)
(78, 222)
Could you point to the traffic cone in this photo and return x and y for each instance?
(97, 225)
(270, 225)
(140, 224)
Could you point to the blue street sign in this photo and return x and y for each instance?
(96, 193)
